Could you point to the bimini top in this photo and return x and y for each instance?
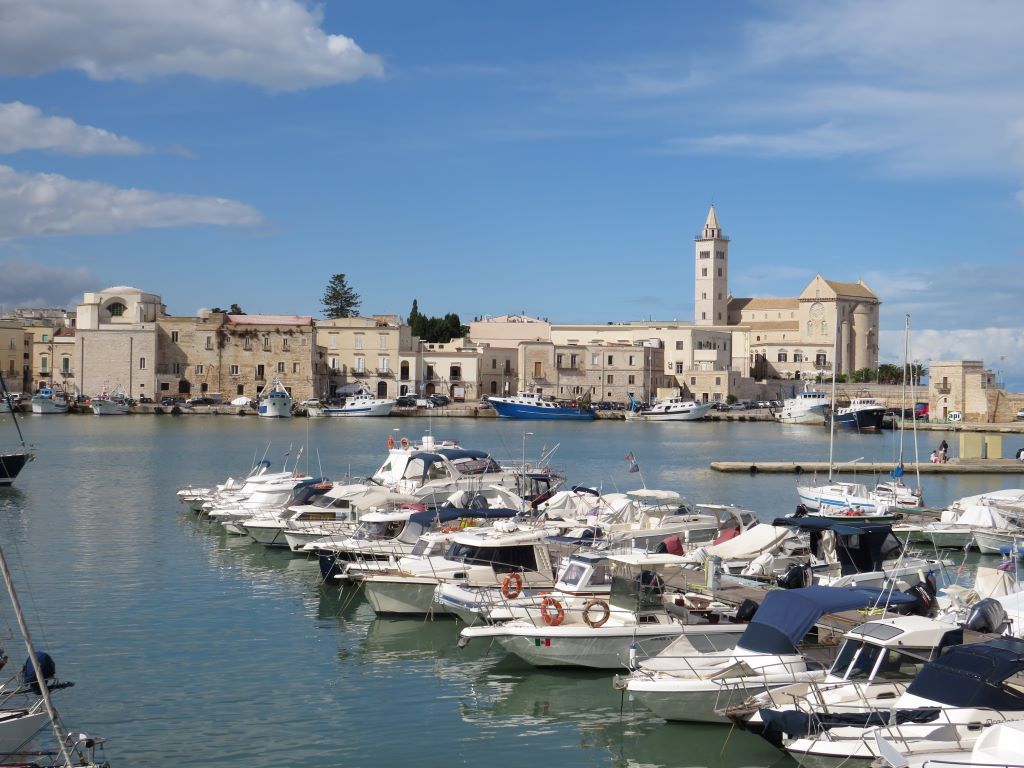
(976, 676)
(468, 462)
(860, 546)
(785, 616)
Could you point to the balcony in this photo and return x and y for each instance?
(943, 389)
(385, 373)
(361, 374)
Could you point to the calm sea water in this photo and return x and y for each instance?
(190, 648)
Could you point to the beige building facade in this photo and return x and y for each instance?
(16, 356)
(375, 353)
(962, 386)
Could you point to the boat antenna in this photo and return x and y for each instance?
(832, 412)
(14, 416)
(319, 463)
(44, 689)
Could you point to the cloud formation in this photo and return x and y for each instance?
(40, 204)
(278, 44)
(24, 127)
(922, 88)
(1001, 349)
(31, 284)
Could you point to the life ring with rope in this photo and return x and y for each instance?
(604, 609)
(512, 586)
(404, 442)
(552, 612)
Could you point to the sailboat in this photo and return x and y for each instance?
(73, 749)
(13, 460)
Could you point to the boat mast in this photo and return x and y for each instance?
(14, 416)
(832, 413)
(44, 690)
(903, 397)
(917, 456)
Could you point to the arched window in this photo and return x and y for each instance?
(824, 327)
(117, 309)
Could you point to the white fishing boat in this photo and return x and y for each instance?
(113, 403)
(806, 407)
(49, 400)
(275, 402)
(672, 409)
(360, 404)
(565, 629)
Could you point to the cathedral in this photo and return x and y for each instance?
(830, 323)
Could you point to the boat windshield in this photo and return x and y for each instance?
(379, 530)
(575, 573)
(502, 559)
(326, 502)
(637, 591)
(864, 661)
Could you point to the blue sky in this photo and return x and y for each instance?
(552, 158)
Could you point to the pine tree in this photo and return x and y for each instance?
(339, 299)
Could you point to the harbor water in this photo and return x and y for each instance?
(192, 648)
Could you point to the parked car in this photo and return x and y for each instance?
(440, 400)
(485, 403)
(145, 400)
(172, 401)
(192, 402)
(1020, 415)
(406, 401)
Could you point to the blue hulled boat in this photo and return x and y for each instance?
(529, 405)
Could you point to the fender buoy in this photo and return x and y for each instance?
(512, 586)
(605, 612)
(552, 612)
(404, 442)
(798, 469)
(391, 442)
(753, 469)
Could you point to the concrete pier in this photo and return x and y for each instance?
(952, 467)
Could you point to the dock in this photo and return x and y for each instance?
(951, 467)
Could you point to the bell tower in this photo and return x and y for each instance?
(711, 276)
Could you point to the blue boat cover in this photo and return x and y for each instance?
(787, 615)
(974, 676)
(860, 546)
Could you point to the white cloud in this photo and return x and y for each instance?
(31, 284)
(922, 87)
(23, 127)
(39, 204)
(278, 44)
(1001, 349)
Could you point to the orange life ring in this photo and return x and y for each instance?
(549, 604)
(404, 442)
(512, 586)
(606, 612)
(391, 442)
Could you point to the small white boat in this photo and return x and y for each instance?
(673, 409)
(837, 495)
(49, 400)
(275, 402)
(807, 407)
(114, 403)
(360, 404)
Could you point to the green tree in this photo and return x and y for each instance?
(339, 299)
(435, 329)
(234, 310)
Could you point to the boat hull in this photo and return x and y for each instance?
(267, 535)
(378, 409)
(694, 701)
(11, 463)
(402, 596)
(809, 416)
(863, 420)
(272, 410)
(527, 411)
(18, 728)
(991, 542)
(696, 414)
(108, 408)
(46, 405)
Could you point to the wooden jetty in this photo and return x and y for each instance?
(951, 467)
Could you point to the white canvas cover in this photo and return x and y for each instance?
(752, 542)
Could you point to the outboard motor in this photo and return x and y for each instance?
(801, 511)
(746, 610)
(795, 577)
(926, 604)
(987, 615)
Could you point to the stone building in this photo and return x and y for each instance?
(116, 341)
(16, 356)
(228, 356)
(451, 368)
(963, 386)
(376, 353)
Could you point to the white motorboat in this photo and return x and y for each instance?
(1001, 744)
(838, 495)
(113, 403)
(874, 666)
(945, 709)
(807, 407)
(269, 498)
(360, 404)
(696, 687)
(672, 409)
(49, 400)
(275, 402)
(570, 628)
(266, 525)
